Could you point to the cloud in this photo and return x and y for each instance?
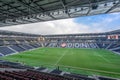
(66, 26)
(108, 22)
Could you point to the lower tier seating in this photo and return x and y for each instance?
(29, 75)
(5, 50)
(17, 48)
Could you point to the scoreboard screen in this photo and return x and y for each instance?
(113, 37)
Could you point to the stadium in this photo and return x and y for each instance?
(82, 56)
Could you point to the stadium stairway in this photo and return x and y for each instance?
(12, 49)
(17, 48)
(113, 49)
(1, 54)
(5, 50)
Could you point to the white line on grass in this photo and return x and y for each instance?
(103, 57)
(61, 57)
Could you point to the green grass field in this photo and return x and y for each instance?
(83, 61)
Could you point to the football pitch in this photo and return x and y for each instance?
(83, 61)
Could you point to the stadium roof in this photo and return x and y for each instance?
(5, 32)
(14, 12)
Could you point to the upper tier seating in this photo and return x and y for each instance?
(1, 42)
(12, 41)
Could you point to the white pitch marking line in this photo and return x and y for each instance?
(61, 57)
